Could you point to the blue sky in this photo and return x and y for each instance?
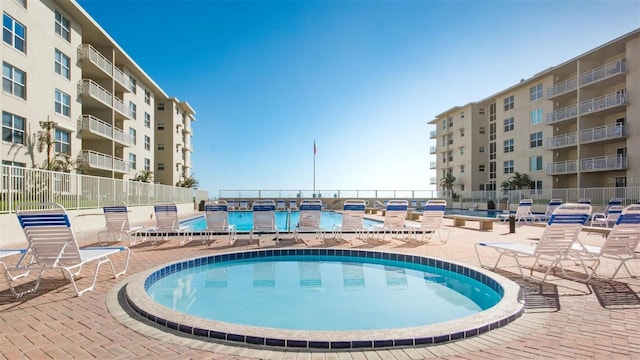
(361, 78)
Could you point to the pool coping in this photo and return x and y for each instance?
(506, 311)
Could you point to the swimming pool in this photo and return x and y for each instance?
(285, 221)
(396, 273)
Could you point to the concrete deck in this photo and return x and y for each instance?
(563, 318)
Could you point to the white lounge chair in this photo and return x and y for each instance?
(53, 246)
(310, 215)
(118, 225)
(553, 204)
(243, 205)
(621, 243)
(555, 243)
(394, 218)
(431, 222)
(216, 215)
(264, 219)
(281, 205)
(523, 212)
(293, 205)
(603, 218)
(352, 219)
(168, 223)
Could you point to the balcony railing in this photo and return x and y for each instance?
(93, 89)
(603, 102)
(95, 125)
(122, 78)
(122, 108)
(603, 72)
(562, 114)
(561, 141)
(562, 167)
(562, 87)
(433, 165)
(105, 162)
(86, 51)
(603, 133)
(433, 180)
(432, 134)
(604, 163)
(433, 149)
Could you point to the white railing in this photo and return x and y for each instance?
(86, 51)
(433, 180)
(562, 87)
(432, 134)
(121, 78)
(95, 125)
(105, 162)
(603, 72)
(122, 108)
(603, 163)
(560, 141)
(562, 167)
(335, 194)
(603, 102)
(433, 165)
(562, 114)
(75, 191)
(433, 149)
(603, 133)
(96, 91)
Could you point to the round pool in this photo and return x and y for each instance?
(324, 298)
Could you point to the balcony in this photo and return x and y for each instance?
(562, 167)
(433, 149)
(93, 91)
(602, 133)
(561, 141)
(433, 180)
(604, 163)
(562, 88)
(604, 72)
(601, 103)
(433, 134)
(101, 161)
(563, 114)
(99, 128)
(433, 165)
(103, 65)
(122, 109)
(122, 79)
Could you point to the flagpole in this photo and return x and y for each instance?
(314, 168)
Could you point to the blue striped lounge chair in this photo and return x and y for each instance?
(431, 222)
(168, 224)
(394, 218)
(52, 245)
(523, 212)
(609, 215)
(553, 204)
(264, 220)
(216, 215)
(118, 226)
(352, 219)
(554, 246)
(310, 215)
(281, 205)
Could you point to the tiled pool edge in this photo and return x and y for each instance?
(506, 311)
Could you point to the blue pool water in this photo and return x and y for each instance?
(243, 220)
(322, 292)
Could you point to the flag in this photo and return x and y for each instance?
(314, 148)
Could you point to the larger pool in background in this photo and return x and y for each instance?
(267, 297)
(285, 221)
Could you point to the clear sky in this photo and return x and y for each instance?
(360, 78)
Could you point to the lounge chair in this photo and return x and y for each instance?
(584, 201)
(53, 246)
(394, 218)
(243, 205)
(264, 219)
(523, 212)
(118, 225)
(555, 243)
(281, 205)
(352, 219)
(168, 223)
(293, 205)
(217, 218)
(603, 218)
(431, 222)
(553, 204)
(310, 215)
(621, 243)
(232, 205)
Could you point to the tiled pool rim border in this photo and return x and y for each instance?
(508, 309)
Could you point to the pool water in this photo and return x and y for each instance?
(323, 292)
(243, 220)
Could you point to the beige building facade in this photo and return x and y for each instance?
(570, 126)
(61, 67)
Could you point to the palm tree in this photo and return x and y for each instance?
(144, 176)
(64, 163)
(447, 182)
(46, 140)
(517, 181)
(189, 182)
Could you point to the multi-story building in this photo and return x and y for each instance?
(173, 140)
(569, 126)
(62, 69)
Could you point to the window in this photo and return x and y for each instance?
(147, 164)
(147, 97)
(133, 85)
(481, 168)
(509, 102)
(450, 156)
(160, 106)
(482, 149)
(482, 130)
(450, 138)
(62, 103)
(62, 64)
(508, 167)
(147, 120)
(14, 81)
(160, 146)
(13, 128)
(132, 133)
(160, 126)
(492, 131)
(14, 33)
(62, 144)
(535, 139)
(132, 161)
(23, 3)
(535, 163)
(535, 117)
(535, 92)
(461, 169)
(536, 185)
(461, 132)
(160, 166)
(147, 143)
(508, 146)
(444, 124)
(444, 141)
(132, 109)
(509, 124)
(444, 157)
(63, 26)
(481, 111)
(450, 122)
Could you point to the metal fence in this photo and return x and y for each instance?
(340, 194)
(75, 191)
